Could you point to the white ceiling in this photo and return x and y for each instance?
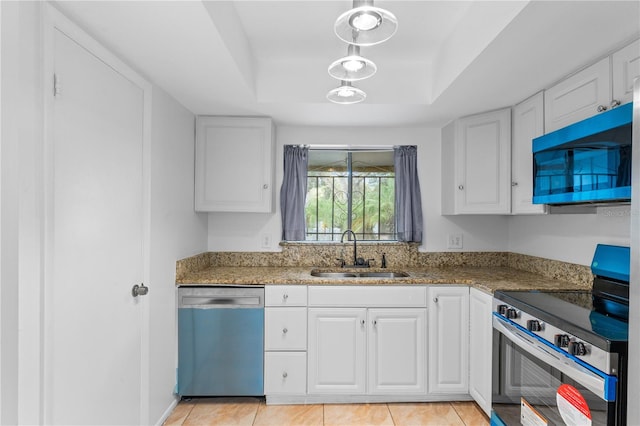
(267, 57)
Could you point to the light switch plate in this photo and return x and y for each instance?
(454, 241)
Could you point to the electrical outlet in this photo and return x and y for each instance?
(454, 241)
(266, 241)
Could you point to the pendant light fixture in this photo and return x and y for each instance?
(346, 94)
(352, 67)
(366, 25)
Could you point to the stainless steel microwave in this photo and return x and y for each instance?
(586, 162)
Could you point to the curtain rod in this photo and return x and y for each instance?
(351, 147)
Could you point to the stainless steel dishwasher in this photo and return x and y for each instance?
(220, 341)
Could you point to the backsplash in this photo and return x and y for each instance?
(398, 255)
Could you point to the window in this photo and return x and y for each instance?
(350, 190)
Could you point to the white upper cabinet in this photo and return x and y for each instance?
(234, 164)
(476, 164)
(528, 123)
(625, 67)
(597, 88)
(578, 97)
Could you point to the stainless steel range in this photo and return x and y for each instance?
(561, 357)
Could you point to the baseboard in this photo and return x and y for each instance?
(168, 412)
(361, 399)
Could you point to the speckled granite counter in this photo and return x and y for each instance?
(490, 278)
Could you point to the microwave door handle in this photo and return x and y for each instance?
(582, 375)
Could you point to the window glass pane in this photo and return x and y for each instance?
(340, 181)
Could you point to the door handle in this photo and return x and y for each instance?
(139, 290)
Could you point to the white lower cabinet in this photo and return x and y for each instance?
(480, 347)
(285, 373)
(367, 350)
(397, 351)
(376, 343)
(448, 339)
(337, 358)
(285, 340)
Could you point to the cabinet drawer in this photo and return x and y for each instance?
(285, 295)
(285, 373)
(285, 329)
(368, 296)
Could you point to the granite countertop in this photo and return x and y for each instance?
(488, 279)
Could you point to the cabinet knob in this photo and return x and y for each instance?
(284, 374)
(285, 297)
(285, 330)
(265, 186)
(601, 108)
(514, 183)
(375, 322)
(460, 187)
(362, 323)
(435, 300)
(615, 103)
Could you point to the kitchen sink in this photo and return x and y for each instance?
(333, 274)
(326, 274)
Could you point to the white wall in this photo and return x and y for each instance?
(21, 213)
(176, 232)
(569, 237)
(244, 232)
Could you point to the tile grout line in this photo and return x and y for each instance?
(390, 414)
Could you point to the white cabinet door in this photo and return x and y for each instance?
(448, 339)
(476, 164)
(578, 96)
(625, 68)
(397, 351)
(234, 164)
(480, 346)
(528, 123)
(336, 355)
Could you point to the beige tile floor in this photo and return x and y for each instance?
(254, 411)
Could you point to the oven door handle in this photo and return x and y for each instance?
(594, 382)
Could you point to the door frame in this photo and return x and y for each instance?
(54, 20)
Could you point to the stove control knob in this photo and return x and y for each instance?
(577, 348)
(561, 340)
(512, 313)
(534, 325)
(502, 309)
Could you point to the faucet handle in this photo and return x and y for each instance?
(342, 262)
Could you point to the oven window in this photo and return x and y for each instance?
(525, 391)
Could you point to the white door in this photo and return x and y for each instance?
(397, 351)
(95, 253)
(336, 355)
(448, 308)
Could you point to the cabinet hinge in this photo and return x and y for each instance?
(57, 86)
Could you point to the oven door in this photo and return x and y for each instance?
(536, 384)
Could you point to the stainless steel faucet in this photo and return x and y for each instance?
(355, 245)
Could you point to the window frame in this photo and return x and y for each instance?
(349, 151)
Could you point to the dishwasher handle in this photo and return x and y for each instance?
(220, 297)
(222, 301)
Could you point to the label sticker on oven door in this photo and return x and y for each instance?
(572, 406)
(529, 416)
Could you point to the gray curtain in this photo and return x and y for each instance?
(408, 201)
(293, 192)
